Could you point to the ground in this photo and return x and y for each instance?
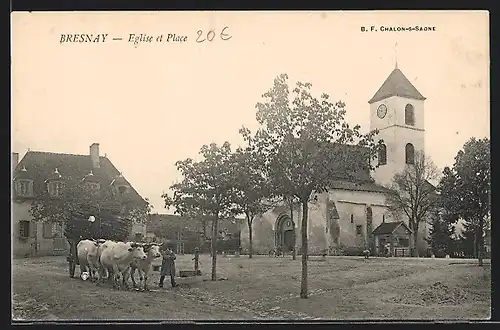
(265, 288)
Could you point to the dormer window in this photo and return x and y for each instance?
(54, 184)
(92, 183)
(122, 190)
(120, 185)
(55, 188)
(24, 187)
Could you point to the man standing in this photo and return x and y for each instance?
(168, 267)
(387, 249)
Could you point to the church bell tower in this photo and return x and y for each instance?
(397, 111)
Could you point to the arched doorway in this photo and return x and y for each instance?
(285, 233)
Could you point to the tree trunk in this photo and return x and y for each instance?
(480, 242)
(303, 284)
(250, 238)
(204, 225)
(474, 248)
(415, 240)
(214, 248)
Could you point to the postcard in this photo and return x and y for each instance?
(258, 165)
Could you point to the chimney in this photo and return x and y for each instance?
(15, 160)
(94, 155)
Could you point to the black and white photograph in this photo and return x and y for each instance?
(250, 166)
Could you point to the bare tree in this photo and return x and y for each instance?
(412, 193)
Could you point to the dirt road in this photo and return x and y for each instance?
(264, 288)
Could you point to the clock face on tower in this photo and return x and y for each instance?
(381, 111)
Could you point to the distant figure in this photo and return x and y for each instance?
(196, 260)
(387, 249)
(168, 267)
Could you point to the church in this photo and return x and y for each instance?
(353, 216)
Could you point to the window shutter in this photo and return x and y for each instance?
(20, 228)
(32, 229)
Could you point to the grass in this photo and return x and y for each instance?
(265, 288)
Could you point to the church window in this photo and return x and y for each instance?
(359, 229)
(409, 115)
(382, 155)
(369, 218)
(352, 218)
(410, 154)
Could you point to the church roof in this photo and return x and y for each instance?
(358, 186)
(389, 227)
(396, 85)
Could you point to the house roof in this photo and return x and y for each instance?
(396, 85)
(41, 166)
(349, 162)
(389, 227)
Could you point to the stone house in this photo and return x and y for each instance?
(38, 171)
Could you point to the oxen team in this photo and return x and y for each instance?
(118, 261)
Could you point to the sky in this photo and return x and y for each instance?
(153, 104)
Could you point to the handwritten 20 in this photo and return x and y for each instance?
(210, 35)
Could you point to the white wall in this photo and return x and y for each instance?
(347, 202)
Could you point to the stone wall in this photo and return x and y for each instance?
(36, 244)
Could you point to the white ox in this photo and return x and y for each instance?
(116, 257)
(88, 256)
(143, 266)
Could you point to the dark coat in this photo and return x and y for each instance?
(168, 263)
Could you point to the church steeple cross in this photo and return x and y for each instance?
(396, 55)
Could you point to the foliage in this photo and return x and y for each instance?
(303, 141)
(206, 189)
(440, 233)
(467, 242)
(466, 190)
(252, 189)
(169, 226)
(78, 201)
(413, 194)
(353, 251)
